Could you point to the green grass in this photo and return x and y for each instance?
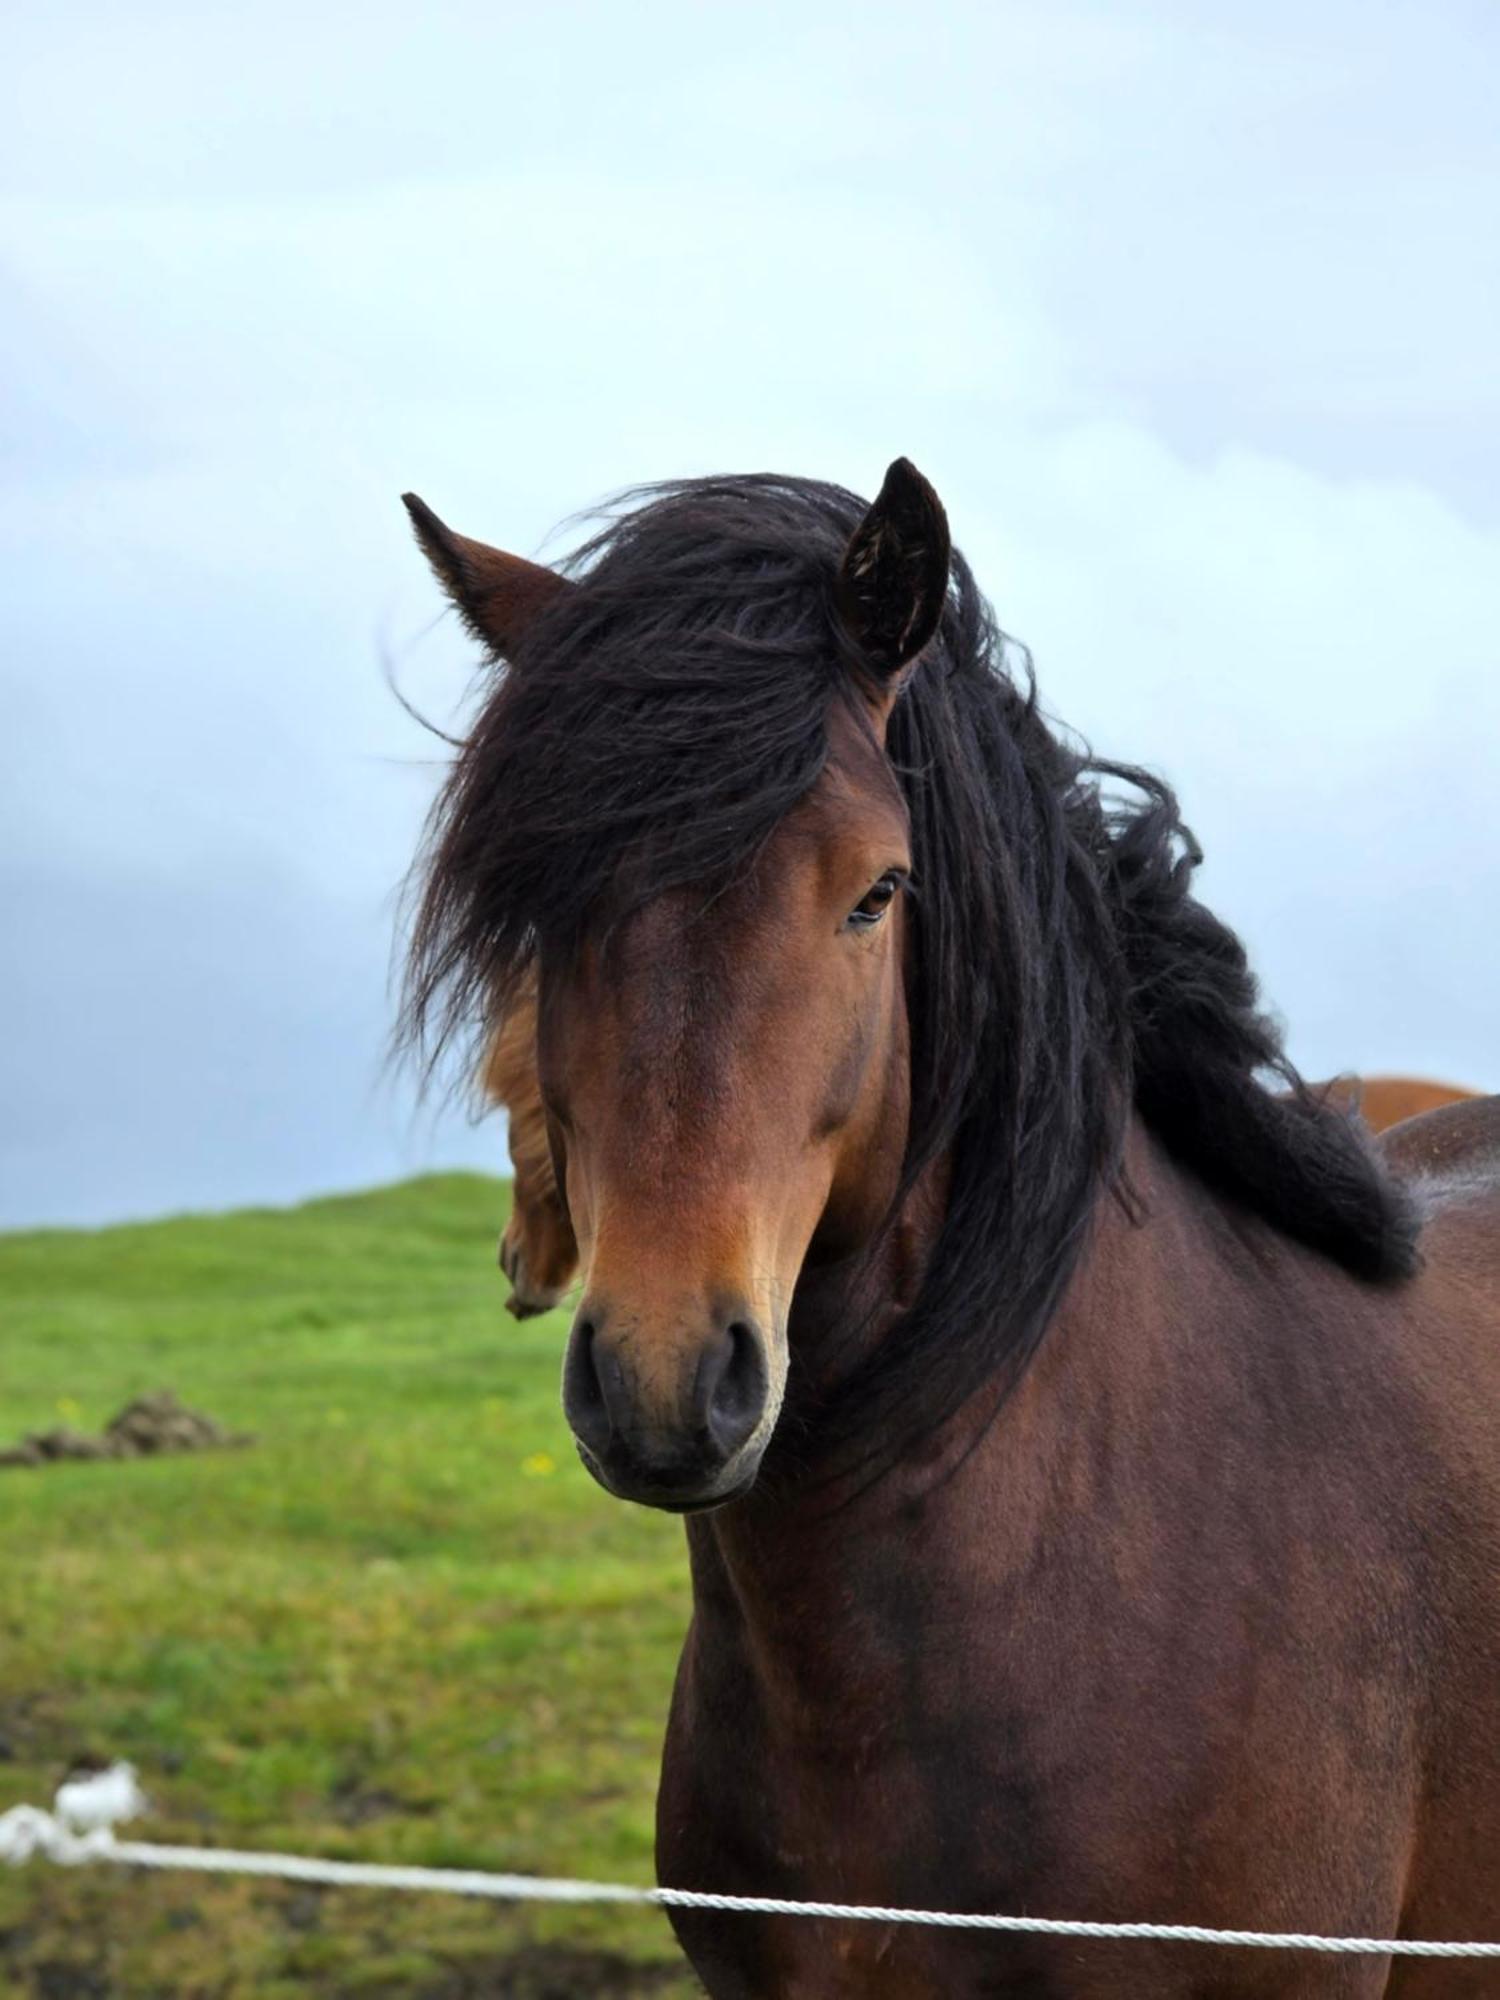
(404, 1626)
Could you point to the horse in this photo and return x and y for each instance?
(1383, 1101)
(1088, 1441)
(537, 1249)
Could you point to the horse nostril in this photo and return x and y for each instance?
(583, 1392)
(732, 1386)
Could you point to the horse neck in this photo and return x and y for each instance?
(788, 1576)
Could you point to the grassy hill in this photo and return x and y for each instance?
(405, 1625)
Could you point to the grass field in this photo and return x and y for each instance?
(405, 1625)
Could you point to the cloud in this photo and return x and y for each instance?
(1188, 321)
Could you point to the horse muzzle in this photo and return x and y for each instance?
(671, 1420)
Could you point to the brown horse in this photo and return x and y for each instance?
(1383, 1101)
(1094, 1492)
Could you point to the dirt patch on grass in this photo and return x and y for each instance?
(29, 1725)
(145, 1428)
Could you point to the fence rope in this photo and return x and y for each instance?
(80, 1830)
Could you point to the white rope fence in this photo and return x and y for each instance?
(80, 1830)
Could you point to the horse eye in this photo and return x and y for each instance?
(873, 906)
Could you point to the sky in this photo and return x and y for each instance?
(1192, 315)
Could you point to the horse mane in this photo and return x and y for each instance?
(659, 720)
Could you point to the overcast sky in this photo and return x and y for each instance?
(1192, 315)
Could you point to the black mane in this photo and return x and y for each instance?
(662, 717)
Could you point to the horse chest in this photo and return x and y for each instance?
(859, 1800)
(1065, 1765)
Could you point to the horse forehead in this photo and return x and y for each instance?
(842, 831)
(688, 964)
(682, 973)
(686, 974)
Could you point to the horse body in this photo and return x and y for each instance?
(1383, 1101)
(1208, 1626)
(1143, 1561)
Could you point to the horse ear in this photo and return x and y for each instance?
(497, 595)
(893, 582)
